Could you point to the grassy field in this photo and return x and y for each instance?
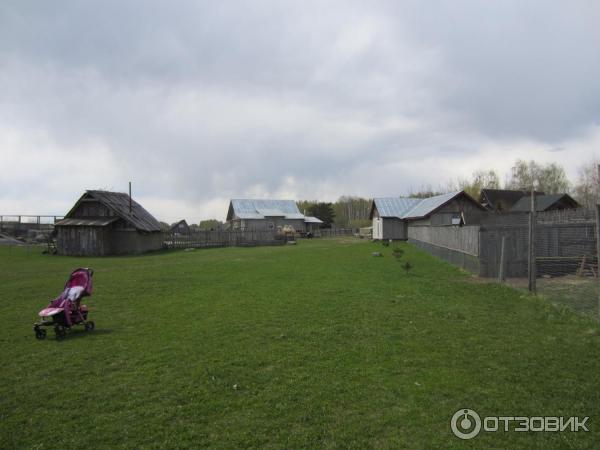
(318, 345)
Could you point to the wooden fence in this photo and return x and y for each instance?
(463, 239)
(19, 225)
(332, 232)
(205, 239)
(238, 238)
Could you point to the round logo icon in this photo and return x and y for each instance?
(465, 424)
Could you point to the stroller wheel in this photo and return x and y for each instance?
(40, 333)
(89, 326)
(60, 332)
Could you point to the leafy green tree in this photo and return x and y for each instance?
(481, 179)
(210, 224)
(553, 179)
(305, 205)
(323, 211)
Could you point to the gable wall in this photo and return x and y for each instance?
(91, 209)
(444, 215)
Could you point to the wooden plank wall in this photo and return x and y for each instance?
(462, 239)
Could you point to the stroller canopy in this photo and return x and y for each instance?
(81, 277)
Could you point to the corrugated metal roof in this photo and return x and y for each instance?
(86, 222)
(118, 203)
(270, 212)
(259, 209)
(394, 206)
(414, 208)
(427, 205)
(311, 219)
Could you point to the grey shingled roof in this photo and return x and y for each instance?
(118, 203)
(542, 202)
(259, 209)
(77, 222)
(394, 206)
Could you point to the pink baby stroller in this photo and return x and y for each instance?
(67, 310)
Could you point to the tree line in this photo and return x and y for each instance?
(551, 178)
(526, 175)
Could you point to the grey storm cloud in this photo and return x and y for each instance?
(201, 101)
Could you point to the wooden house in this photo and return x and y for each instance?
(257, 214)
(501, 200)
(387, 215)
(453, 208)
(107, 223)
(393, 218)
(546, 202)
(508, 200)
(180, 227)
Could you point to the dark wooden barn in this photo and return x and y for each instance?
(180, 227)
(107, 223)
(550, 202)
(507, 200)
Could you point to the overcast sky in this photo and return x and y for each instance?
(198, 102)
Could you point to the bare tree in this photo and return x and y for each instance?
(586, 187)
(481, 179)
(549, 178)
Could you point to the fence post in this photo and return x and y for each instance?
(531, 266)
(501, 271)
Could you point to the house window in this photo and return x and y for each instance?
(458, 219)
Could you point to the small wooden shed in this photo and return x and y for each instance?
(107, 223)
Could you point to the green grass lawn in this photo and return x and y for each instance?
(308, 346)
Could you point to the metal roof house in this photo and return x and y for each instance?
(256, 214)
(107, 223)
(393, 217)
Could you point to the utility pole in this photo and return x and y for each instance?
(532, 266)
(502, 271)
(130, 206)
(598, 237)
